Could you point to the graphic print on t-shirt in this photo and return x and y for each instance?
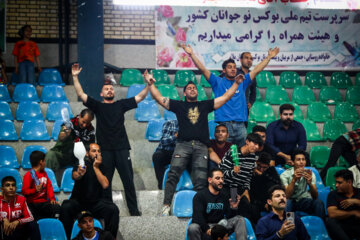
(193, 115)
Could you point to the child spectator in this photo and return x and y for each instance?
(3, 78)
(25, 52)
(38, 190)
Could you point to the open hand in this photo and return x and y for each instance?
(273, 52)
(187, 49)
(75, 69)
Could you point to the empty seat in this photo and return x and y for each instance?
(318, 112)
(258, 95)
(265, 79)
(330, 176)
(135, 89)
(67, 182)
(51, 175)
(312, 132)
(169, 91)
(333, 129)
(51, 228)
(161, 76)
(319, 156)
(7, 131)
(4, 93)
(201, 93)
(184, 183)
(5, 111)
(56, 129)
(276, 95)
(25, 92)
(168, 115)
(315, 80)
(204, 82)
(315, 227)
(50, 76)
(212, 126)
(154, 129)
(183, 203)
(330, 95)
(289, 79)
(251, 124)
(51, 93)
(262, 112)
(146, 111)
(346, 112)
(356, 124)
(25, 160)
(75, 230)
(340, 80)
(353, 95)
(4, 172)
(182, 77)
(130, 77)
(34, 130)
(53, 112)
(28, 111)
(303, 95)
(8, 157)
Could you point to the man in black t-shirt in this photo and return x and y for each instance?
(193, 136)
(111, 135)
(90, 181)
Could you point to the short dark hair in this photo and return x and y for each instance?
(258, 128)
(243, 53)
(211, 172)
(226, 62)
(88, 112)
(255, 138)
(22, 30)
(265, 158)
(346, 174)
(272, 189)
(286, 106)
(297, 151)
(221, 125)
(7, 179)
(218, 231)
(36, 157)
(188, 83)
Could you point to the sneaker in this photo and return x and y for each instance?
(165, 211)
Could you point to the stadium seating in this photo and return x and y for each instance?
(318, 112)
(346, 112)
(53, 112)
(56, 129)
(8, 157)
(7, 131)
(169, 91)
(4, 93)
(289, 79)
(319, 156)
(146, 111)
(276, 95)
(262, 112)
(312, 132)
(51, 176)
(265, 79)
(330, 176)
(251, 124)
(5, 111)
(315, 80)
(204, 82)
(51, 228)
(212, 125)
(184, 183)
(298, 115)
(168, 115)
(34, 130)
(353, 95)
(356, 124)
(135, 89)
(130, 77)
(50, 76)
(211, 116)
(330, 95)
(67, 182)
(357, 79)
(249, 231)
(340, 80)
(14, 173)
(154, 129)
(161, 77)
(258, 95)
(51, 93)
(303, 95)
(25, 92)
(28, 111)
(14, 79)
(315, 227)
(182, 77)
(183, 203)
(75, 230)
(333, 129)
(319, 182)
(279, 170)
(25, 160)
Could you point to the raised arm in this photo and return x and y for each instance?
(102, 179)
(219, 101)
(75, 70)
(163, 101)
(142, 95)
(258, 68)
(199, 65)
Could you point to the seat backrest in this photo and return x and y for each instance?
(315, 80)
(265, 79)
(56, 129)
(315, 227)
(356, 124)
(25, 92)
(28, 111)
(346, 112)
(262, 112)
(168, 115)
(333, 129)
(182, 204)
(146, 111)
(330, 176)
(50, 76)
(5, 111)
(279, 170)
(312, 132)
(319, 156)
(353, 95)
(330, 95)
(51, 175)
(182, 77)
(75, 230)
(7, 131)
(51, 93)
(53, 112)
(8, 157)
(135, 89)
(131, 76)
(25, 160)
(340, 80)
(303, 95)
(249, 230)
(51, 228)
(67, 182)
(184, 183)
(276, 95)
(289, 79)
(34, 130)
(319, 182)
(169, 91)
(4, 93)
(154, 129)
(14, 173)
(160, 76)
(212, 126)
(318, 112)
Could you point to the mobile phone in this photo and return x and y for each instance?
(290, 217)
(233, 194)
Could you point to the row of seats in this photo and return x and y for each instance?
(47, 76)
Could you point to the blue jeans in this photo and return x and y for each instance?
(27, 72)
(311, 206)
(237, 132)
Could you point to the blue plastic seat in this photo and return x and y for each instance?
(28, 111)
(319, 182)
(53, 112)
(75, 230)
(51, 176)
(4, 94)
(51, 228)
(50, 76)
(212, 126)
(4, 172)
(135, 89)
(51, 93)
(183, 203)
(5, 111)
(34, 130)
(168, 115)
(323, 195)
(67, 182)
(25, 92)
(56, 129)
(249, 231)
(187, 226)
(279, 170)
(146, 111)
(7, 131)
(154, 129)
(184, 183)
(25, 160)
(8, 157)
(315, 227)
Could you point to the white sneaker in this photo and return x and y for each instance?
(165, 211)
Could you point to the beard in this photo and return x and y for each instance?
(216, 186)
(109, 98)
(287, 122)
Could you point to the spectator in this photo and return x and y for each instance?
(296, 181)
(87, 229)
(277, 224)
(26, 52)
(38, 190)
(163, 153)
(260, 130)
(356, 171)
(219, 146)
(3, 77)
(219, 232)
(233, 114)
(193, 137)
(88, 194)
(210, 206)
(343, 207)
(17, 222)
(285, 135)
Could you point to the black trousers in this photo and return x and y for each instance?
(343, 230)
(101, 210)
(121, 161)
(23, 232)
(44, 210)
(161, 158)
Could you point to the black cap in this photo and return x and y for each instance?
(83, 214)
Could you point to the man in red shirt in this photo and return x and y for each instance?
(38, 190)
(219, 146)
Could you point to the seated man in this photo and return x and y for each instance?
(219, 232)
(218, 146)
(87, 229)
(277, 224)
(356, 171)
(90, 182)
(38, 190)
(17, 222)
(343, 207)
(163, 153)
(285, 135)
(210, 206)
(296, 181)
(260, 130)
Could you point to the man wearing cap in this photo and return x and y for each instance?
(111, 135)
(87, 229)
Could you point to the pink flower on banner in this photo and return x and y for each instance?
(165, 56)
(352, 4)
(184, 61)
(180, 36)
(166, 11)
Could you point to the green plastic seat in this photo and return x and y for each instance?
(312, 132)
(353, 95)
(333, 129)
(211, 116)
(342, 162)
(261, 112)
(330, 95)
(251, 124)
(289, 79)
(182, 77)
(276, 95)
(298, 115)
(356, 124)
(265, 79)
(330, 176)
(204, 82)
(340, 80)
(161, 77)
(357, 79)
(346, 112)
(169, 91)
(315, 80)
(258, 96)
(318, 112)
(130, 77)
(319, 156)
(201, 93)
(303, 95)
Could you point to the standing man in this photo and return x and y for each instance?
(218, 146)
(111, 135)
(234, 113)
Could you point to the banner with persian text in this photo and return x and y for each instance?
(309, 39)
